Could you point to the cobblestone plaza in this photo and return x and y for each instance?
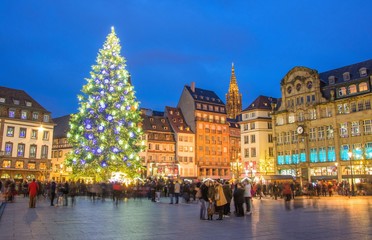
(303, 218)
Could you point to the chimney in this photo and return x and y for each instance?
(192, 86)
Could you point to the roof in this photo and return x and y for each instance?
(156, 123)
(207, 96)
(233, 123)
(11, 95)
(262, 102)
(177, 120)
(353, 69)
(62, 126)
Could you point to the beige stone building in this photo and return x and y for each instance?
(323, 126)
(26, 132)
(257, 139)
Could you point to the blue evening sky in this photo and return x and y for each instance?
(47, 47)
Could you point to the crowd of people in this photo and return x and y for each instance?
(214, 196)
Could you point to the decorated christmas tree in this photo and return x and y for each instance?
(106, 133)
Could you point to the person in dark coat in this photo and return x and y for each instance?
(228, 195)
(52, 193)
(239, 200)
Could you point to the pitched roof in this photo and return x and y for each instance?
(262, 102)
(203, 95)
(155, 123)
(176, 120)
(353, 69)
(19, 98)
(233, 123)
(62, 126)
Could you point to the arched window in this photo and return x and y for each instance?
(342, 91)
(363, 87)
(352, 89)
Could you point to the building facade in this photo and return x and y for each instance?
(159, 157)
(26, 132)
(185, 143)
(257, 137)
(205, 113)
(236, 166)
(323, 126)
(60, 172)
(233, 97)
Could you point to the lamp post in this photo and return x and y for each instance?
(351, 169)
(251, 166)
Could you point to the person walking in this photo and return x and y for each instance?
(52, 193)
(220, 200)
(239, 200)
(177, 190)
(248, 196)
(203, 201)
(33, 188)
(171, 191)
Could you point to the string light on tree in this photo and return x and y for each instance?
(106, 129)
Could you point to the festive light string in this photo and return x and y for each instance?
(105, 133)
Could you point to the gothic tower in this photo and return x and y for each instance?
(233, 97)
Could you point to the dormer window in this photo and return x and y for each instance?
(346, 76)
(207, 98)
(181, 120)
(178, 113)
(331, 80)
(201, 97)
(165, 128)
(16, 102)
(171, 112)
(46, 118)
(2, 100)
(151, 119)
(153, 126)
(174, 120)
(162, 120)
(363, 72)
(28, 104)
(195, 96)
(213, 99)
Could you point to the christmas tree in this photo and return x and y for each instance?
(106, 133)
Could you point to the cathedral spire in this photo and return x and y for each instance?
(233, 97)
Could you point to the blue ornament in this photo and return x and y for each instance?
(117, 105)
(103, 164)
(90, 136)
(99, 151)
(115, 150)
(109, 118)
(106, 80)
(128, 108)
(101, 128)
(88, 126)
(82, 161)
(111, 89)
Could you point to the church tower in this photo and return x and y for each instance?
(233, 97)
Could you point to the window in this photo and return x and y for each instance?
(33, 134)
(33, 151)
(363, 87)
(210, 108)
(245, 126)
(35, 116)
(270, 138)
(11, 113)
(7, 164)
(312, 114)
(253, 152)
(353, 107)
(355, 128)
(28, 104)
(253, 138)
(346, 76)
(270, 125)
(291, 118)
(331, 154)
(253, 126)
(23, 114)
(363, 72)
(19, 164)
(222, 109)
(10, 132)
(352, 89)
(246, 152)
(205, 107)
(321, 133)
(329, 132)
(286, 138)
(301, 117)
(367, 104)
(246, 139)
(367, 126)
(21, 150)
(331, 80)
(8, 149)
(44, 151)
(271, 152)
(343, 130)
(342, 91)
(31, 166)
(2, 100)
(22, 132)
(42, 166)
(294, 137)
(360, 105)
(312, 134)
(322, 154)
(313, 155)
(279, 121)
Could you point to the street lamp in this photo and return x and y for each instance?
(351, 169)
(251, 166)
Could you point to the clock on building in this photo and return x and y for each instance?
(300, 129)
